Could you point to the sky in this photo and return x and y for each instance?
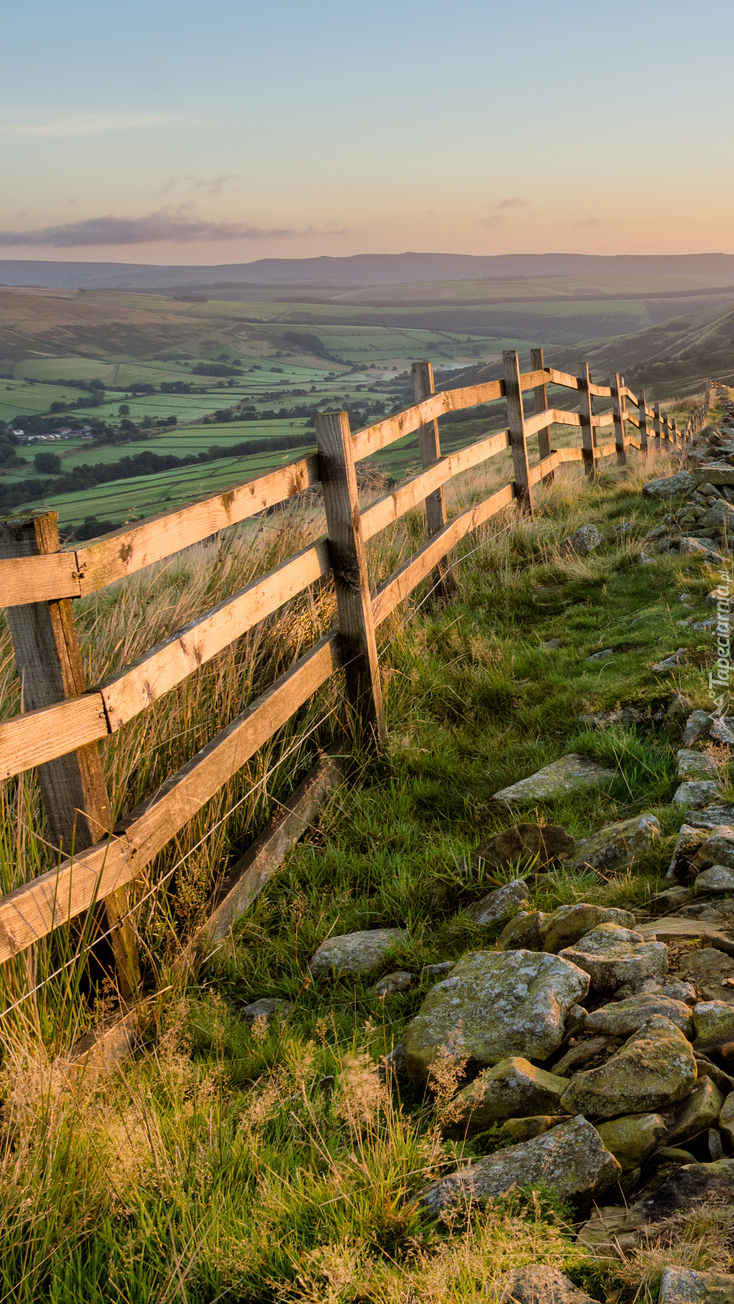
(221, 131)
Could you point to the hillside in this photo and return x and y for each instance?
(373, 268)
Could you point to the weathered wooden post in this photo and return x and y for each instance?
(348, 558)
(619, 412)
(674, 432)
(430, 450)
(586, 410)
(540, 394)
(50, 668)
(657, 425)
(642, 414)
(516, 422)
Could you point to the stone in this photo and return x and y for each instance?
(501, 902)
(393, 1064)
(540, 843)
(686, 1189)
(722, 729)
(511, 1088)
(433, 970)
(655, 1068)
(686, 1286)
(523, 933)
(536, 1284)
(708, 968)
(673, 1155)
(569, 923)
(676, 658)
(671, 486)
(352, 954)
(617, 846)
(695, 793)
(611, 956)
(632, 1138)
(624, 715)
(715, 879)
(689, 840)
(576, 1020)
(623, 527)
(726, 1118)
(717, 518)
(718, 848)
(695, 765)
(604, 655)
(568, 774)
(584, 540)
(524, 1129)
(582, 1052)
(570, 1159)
(703, 626)
(495, 1004)
(625, 1017)
(697, 727)
(705, 547)
(552, 643)
(392, 983)
(645, 559)
(712, 816)
(670, 899)
(696, 1114)
(714, 1022)
(265, 1007)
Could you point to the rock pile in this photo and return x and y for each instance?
(702, 498)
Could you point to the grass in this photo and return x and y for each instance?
(222, 1163)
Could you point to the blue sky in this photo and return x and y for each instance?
(224, 131)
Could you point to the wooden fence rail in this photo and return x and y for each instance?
(37, 584)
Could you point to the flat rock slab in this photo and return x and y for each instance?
(536, 1284)
(712, 816)
(714, 1021)
(684, 1286)
(495, 1004)
(714, 880)
(685, 1190)
(654, 1069)
(570, 1159)
(618, 845)
(672, 485)
(265, 1008)
(352, 954)
(568, 774)
(695, 765)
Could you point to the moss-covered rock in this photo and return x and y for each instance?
(632, 1138)
(655, 1068)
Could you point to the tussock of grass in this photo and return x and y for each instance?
(222, 1163)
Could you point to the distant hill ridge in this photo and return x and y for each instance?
(359, 269)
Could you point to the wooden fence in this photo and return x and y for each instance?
(64, 720)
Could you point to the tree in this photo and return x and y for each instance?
(124, 409)
(47, 463)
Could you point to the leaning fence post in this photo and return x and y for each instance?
(642, 414)
(657, 426)
(349, 561)
(50, 668)
(618, 411)
(518, 441)
(586, 410)
(429, 444)
(537, 362)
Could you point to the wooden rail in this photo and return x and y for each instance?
(69, 722)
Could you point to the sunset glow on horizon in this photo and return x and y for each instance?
(193, 134)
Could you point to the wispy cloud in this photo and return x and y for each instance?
(499, 209)
(513, 202)
(212, 185)
(496, 220)
(145, 230)
(87, 124)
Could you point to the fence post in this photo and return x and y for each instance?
(348, 558)
(657, 426)
(430, 450)
(518, 441)
(586, 409)
(537, 362)
(50, 668)
(618, 410)
(642, 414)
